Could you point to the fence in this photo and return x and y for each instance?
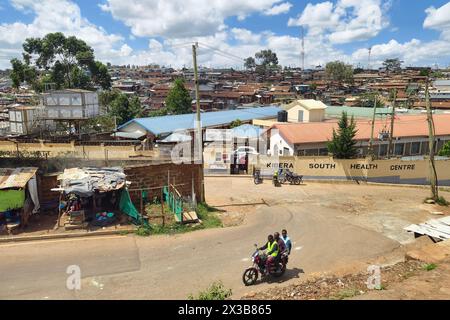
(398, 171)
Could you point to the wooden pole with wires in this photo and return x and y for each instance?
(391, 132)
(371, 153)
(431, 143)
(199, 126)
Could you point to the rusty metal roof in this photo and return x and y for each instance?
(15, 177)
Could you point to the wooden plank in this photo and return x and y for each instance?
(421, 229)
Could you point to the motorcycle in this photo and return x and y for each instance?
(277, 269)
(257, 179)
(293, 178)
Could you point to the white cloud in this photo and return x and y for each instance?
(439, 19)
(182, 18)
(278, 9)
(55, 16)
(344, 22)
(416, 52)
(245, 36)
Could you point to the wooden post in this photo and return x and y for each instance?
(59, 209)
(431, 142)
(391, 133)
(162, 208)
(371, 153)
(142, 208)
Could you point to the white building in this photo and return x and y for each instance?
(21, 119)
(70, 104)
(306, 111)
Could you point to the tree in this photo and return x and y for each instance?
(367, 100)
(343, 144)
(392, 65)
(179, 100)
(125, 108)
(339, 71)
(264, 61)
(445, 151)
(250, 63)
(267, 58)
(66, 61)
(236, 123)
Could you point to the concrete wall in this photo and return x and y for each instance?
(386, 171)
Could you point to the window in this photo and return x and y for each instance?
(415, 148)
(323, 152)
(218, 156)
(76, 100)
(399, 149)
(300, 116)
(286, 151)
(383, 150)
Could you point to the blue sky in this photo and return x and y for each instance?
(157, 31)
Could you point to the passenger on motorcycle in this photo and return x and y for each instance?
(271, 248)
(286, 240)
(281, 247)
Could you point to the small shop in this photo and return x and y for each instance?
(19, 198)
(93, 197)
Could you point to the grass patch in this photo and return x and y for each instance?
(143, 231)
(205, 213)
(429, 267)
(346, 293)
(216, 291)
(440, 201)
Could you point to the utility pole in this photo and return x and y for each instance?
(199, 126)
(373, 126)
(391, 132)
(303, 49)
(431, 142)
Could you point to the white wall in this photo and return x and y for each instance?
(277, 142)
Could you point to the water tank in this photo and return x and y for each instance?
(282, 116)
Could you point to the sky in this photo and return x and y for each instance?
(142, 32)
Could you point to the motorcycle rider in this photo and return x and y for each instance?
(272, 251)
(286, 240)
(281, 247)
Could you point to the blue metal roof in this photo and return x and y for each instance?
(169, 124)
(247, 131)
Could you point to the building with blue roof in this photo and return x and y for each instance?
(166, 125)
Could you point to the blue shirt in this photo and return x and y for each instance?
(288, 242)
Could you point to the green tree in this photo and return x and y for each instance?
(250, 63)
(445, 151)
(339, 71)
(367, 100)
(392, 65)
(343, 144)
(267, 58)
(66, 61)
(179, 100)
(125, 108)
(236, 123)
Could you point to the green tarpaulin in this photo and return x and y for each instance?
(11, 199)
(127, 207)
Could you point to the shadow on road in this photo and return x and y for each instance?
(288, 275)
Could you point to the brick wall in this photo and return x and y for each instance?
(141, 176)
(46, 183)
(151, 176)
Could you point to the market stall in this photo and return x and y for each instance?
(90, 196)
(18, 197)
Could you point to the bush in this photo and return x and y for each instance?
(442, 202)
(216, 291)
(429, 267)
(143, 231)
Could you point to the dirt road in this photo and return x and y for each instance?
(326, 234)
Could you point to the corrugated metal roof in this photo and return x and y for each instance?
(404, 126)
(169, 124)
(15, 177)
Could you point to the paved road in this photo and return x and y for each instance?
(174, 266)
